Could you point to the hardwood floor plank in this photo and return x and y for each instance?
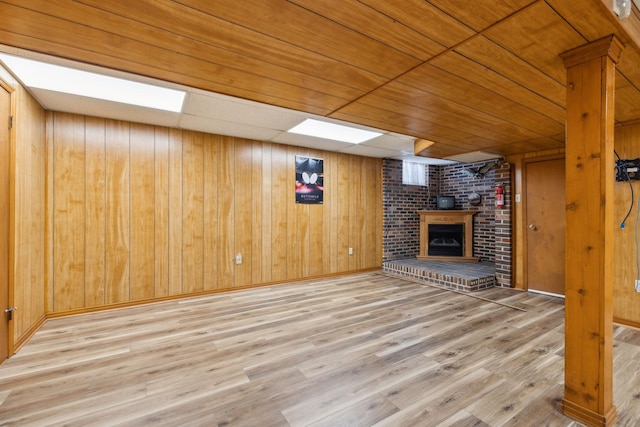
(626, 378)
(366, 412)
(362, 349)
(509, 398)
(74, 406)
(546, 411)
(435, 405)
(463, 419)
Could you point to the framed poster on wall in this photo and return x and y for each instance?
(309, 180)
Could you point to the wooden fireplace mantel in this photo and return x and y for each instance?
(447, 217)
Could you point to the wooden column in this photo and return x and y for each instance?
(588, 393)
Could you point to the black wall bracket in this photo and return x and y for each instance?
(627, 170)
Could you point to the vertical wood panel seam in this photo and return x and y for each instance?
(84, 214)
(204, 202)
(169, 178)
(104, 246)
(129, 209)
(271, 207)
(155, 211)
(181, 216)
(51, 209)
(168, 212)
(218, 213)
(235, 213)
(251, 201)
(271, 210)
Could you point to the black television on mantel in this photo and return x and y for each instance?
(445, 202)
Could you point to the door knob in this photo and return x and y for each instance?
(532, 227)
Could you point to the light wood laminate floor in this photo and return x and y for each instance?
(358, 350)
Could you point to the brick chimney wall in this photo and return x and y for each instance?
(401, 203)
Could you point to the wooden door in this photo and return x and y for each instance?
(545, 225)
(5, 162)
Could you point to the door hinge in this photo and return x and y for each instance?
(10, 122)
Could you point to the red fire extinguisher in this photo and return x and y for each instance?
(500, 197)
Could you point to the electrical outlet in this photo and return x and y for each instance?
(637, 285)
(350, 251)
(239, 258)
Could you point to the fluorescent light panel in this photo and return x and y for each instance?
(319, 129)
(57, 78)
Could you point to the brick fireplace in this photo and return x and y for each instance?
(492, 241)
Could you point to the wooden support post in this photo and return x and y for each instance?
(588, 390)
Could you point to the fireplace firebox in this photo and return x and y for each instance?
(446, 240)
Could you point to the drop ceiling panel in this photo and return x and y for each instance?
(309, 141)
(363, 150)
(56, 101)
(250, 113)
(395, 142)
(221, 127)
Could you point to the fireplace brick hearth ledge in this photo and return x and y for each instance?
(447, 217)
(460, 276)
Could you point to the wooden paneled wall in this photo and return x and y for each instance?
(27, 213)
(626, 301)
(141, 212)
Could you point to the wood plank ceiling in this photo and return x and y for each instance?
(480, 75)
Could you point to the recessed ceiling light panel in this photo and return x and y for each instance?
(57, 78)
(335, 132)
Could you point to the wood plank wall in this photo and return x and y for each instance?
(141, 212)
(626, 301)
(28, 213)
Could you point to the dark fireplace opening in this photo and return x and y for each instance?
(446, 240)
